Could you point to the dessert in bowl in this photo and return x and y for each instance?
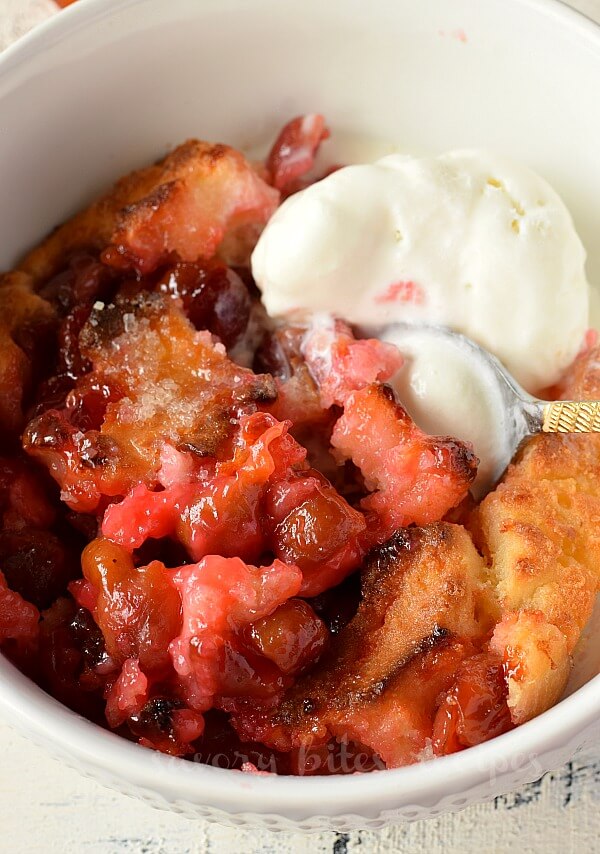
(256, 554)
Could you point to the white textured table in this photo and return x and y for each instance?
(45, 807)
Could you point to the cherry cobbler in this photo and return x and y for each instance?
(223, 536)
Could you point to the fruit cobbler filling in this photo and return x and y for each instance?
(223, 537)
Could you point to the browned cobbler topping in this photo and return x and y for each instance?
(423, 610)
(155, 381)
(225, 538)
(199, 199)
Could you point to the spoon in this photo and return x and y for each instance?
(515, 414)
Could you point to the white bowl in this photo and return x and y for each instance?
(107, 86)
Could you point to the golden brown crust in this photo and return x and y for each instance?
(540, 532)
(421, 585)
(92, 228)
(165, 384)
(186, 203)
(422, 601)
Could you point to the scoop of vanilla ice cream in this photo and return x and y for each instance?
(468, 240)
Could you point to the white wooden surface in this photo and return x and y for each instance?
(45, 807)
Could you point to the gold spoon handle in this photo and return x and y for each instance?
(571, 416)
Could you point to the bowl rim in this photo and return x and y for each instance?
(30, 709)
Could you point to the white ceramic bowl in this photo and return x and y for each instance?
(109, 84)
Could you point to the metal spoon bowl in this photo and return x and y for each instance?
(520, 414)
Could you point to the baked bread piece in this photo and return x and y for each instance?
(156, 383)
(197, 199)
(540, 534)
(423, 607)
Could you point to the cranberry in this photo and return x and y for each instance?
(315, 528)
(475, 708)
(88, 638)
(84, 280)
(164, 724)
(37, 564)
(213, 295)
(275, 354)
(292, 637)
(293, 152)
(138, 610)
(87, 404)
(64, 666)
(247, 675)
(51, 394)
(155, 721)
